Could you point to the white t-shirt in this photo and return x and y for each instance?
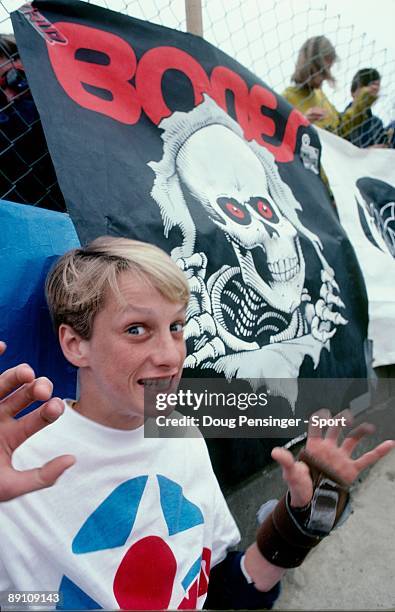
(132, 525)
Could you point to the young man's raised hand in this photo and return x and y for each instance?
(328, 451)
(19, 388)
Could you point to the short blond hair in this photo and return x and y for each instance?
(311, 60)
(77, 284)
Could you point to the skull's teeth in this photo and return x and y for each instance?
(284, 270)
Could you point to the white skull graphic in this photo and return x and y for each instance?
(236, 196)
(254, 319)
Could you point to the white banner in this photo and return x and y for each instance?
(363, 184)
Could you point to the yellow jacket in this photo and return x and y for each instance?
(341, 124)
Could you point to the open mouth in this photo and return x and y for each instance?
(157, 384)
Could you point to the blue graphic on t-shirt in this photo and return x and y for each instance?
(74, 598)
(180, 513)
(110, 524)
(191, 574)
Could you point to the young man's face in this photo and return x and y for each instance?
(136, 344)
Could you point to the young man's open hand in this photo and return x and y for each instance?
(326, 449)
(19, 388)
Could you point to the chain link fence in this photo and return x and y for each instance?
(263, 36)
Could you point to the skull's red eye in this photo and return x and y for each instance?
(235, 211)
(264, 209)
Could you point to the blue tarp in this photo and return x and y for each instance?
(31, 239)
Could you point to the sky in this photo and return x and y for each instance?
(265, 35)
(376, 23)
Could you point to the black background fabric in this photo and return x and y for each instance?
(101, 165)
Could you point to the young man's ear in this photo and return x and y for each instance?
(74, 348)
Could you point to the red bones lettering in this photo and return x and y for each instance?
(124, 102)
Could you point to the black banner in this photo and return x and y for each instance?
(157, 135)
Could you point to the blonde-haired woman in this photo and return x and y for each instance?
(313, 67)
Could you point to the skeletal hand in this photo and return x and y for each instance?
(324, 320)
(201, 326)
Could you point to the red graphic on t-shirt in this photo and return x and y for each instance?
(145, 577)
(204, 572)
(200, 586)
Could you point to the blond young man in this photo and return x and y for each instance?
(137, 523)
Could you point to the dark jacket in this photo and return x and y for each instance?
(369, 132)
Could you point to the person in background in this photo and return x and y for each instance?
(27, 175)
(371, 132)
(313, 67)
